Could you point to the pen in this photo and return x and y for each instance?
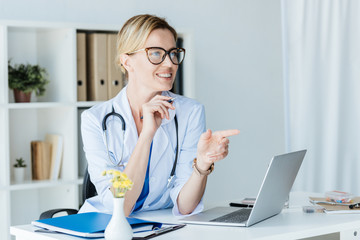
(240, 205)
(355, 205)
(169, 101)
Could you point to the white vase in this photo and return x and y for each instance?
(118, 227)
(19, 174)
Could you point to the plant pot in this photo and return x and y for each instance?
(19, 174)
(118, 227)
(21, 96)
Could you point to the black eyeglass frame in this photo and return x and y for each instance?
(164, 56)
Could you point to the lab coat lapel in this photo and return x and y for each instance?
(160, 144)
(161, 139)
(121, 105)
(171, 112)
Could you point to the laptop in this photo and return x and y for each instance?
(273, 193)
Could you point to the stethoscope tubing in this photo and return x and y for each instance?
(104, 128)
(113, 113)
(172, 174)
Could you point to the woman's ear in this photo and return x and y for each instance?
(125, 62)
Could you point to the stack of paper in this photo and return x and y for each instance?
(333, 208)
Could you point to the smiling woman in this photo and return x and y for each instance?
(161, 69)
(163, 137)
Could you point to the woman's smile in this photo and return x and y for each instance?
(165, 76)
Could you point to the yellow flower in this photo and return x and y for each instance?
(126, 184)
(120, 182)
(116, 184)
(120, 195)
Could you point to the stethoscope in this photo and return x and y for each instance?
(104, 128)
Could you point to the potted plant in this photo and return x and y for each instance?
(19, 170)
(26, 78)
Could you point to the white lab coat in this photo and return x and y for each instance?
(191, 124)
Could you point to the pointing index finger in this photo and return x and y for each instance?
(227, 133)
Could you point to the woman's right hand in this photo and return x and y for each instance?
(154, 112)
(213, 146)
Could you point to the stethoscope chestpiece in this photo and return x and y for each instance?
(170, 181)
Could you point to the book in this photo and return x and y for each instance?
(40, 160)
(56, 142)
(90, 224)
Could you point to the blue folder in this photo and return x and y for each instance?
(91, 224)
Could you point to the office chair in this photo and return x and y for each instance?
(88, 191)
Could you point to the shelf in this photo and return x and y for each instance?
(51, 48)
(3, 64)
(87, 104)
(35, 105)
(37, 184)
(28, 203)
(4, 146)
(4, 216)
(31, 124)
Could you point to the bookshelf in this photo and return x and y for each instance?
(52, 46)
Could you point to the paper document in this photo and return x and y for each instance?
(336, 208)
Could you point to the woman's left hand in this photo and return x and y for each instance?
(213, 147)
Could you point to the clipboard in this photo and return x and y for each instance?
(155, 233)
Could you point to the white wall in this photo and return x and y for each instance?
(237, 68)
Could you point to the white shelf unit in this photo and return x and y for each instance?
(52, 46)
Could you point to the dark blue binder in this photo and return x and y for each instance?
(91, 224)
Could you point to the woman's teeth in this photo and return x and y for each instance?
(165, 75)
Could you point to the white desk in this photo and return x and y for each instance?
(292, 223)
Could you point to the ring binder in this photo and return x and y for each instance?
(97, 67)
(81, 66)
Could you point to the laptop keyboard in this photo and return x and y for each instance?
(234, 217)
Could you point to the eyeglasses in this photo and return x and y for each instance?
(157, 55)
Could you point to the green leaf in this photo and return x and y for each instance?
(27, 78)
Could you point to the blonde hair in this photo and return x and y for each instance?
(134, 33)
